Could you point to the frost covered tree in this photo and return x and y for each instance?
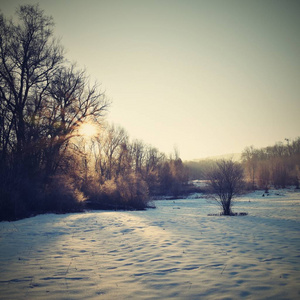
(226, 182)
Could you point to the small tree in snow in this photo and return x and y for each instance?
(226, 182)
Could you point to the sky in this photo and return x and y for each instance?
(206, 77)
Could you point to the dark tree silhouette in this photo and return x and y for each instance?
(29, 59)
(42, 101)
(226, 182)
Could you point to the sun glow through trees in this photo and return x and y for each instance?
(88, 130)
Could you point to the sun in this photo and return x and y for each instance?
(88, 130)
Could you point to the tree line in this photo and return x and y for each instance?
(277, 165)
(120, 173)
(44, 99)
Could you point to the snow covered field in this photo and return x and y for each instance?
(175, 251)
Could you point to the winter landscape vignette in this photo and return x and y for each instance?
(86, 212)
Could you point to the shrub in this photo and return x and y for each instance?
(130, 192)
(226, 182)
(62, 196)
(133, 191)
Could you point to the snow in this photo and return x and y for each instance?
(175, 251)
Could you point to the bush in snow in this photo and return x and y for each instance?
(133, 191)
(130, 192)
(226, 182)
(62, 196)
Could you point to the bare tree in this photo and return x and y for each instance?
(250, 159)
(72, 101)
(226, 182)
(112, 152)
(42, 102)
(138, 155)
(42, 99)
(264, 176)
(29, 58)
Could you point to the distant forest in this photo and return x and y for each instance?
(45, 165)
(277, 165)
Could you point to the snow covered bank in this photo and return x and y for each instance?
(173, 252)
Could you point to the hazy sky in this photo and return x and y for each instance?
(210, 77)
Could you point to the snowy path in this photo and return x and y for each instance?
(173, 252)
